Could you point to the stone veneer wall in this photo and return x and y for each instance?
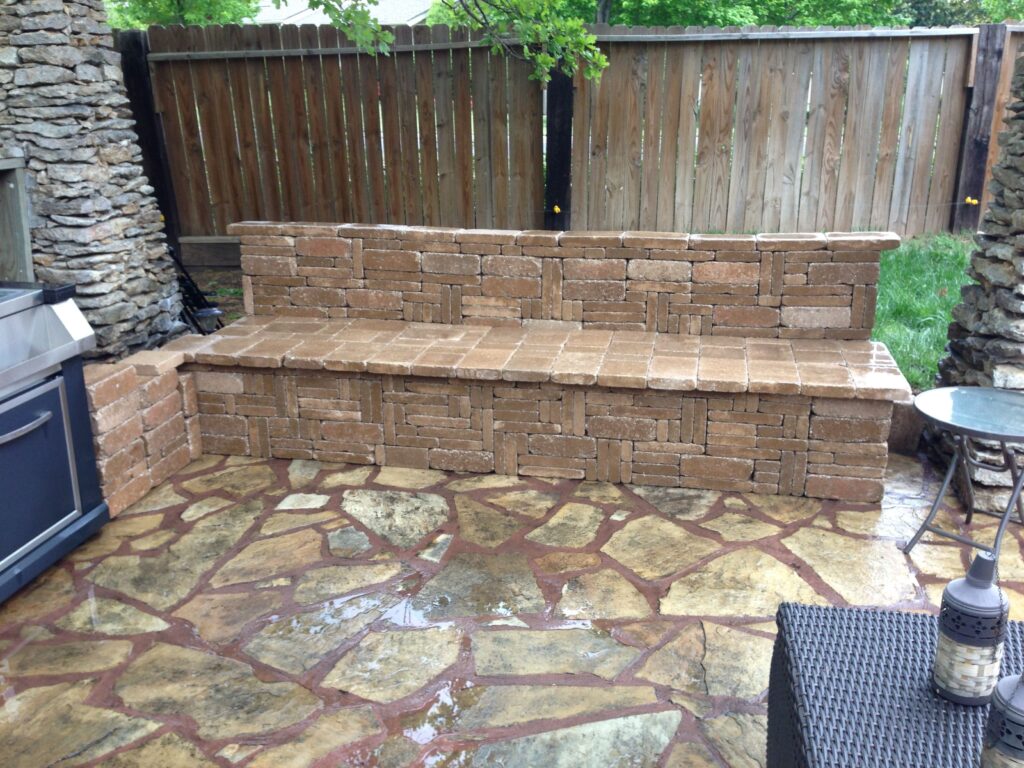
(94, 221)
(786, 285)
(986, 338)
(145, 423)
(775, 444)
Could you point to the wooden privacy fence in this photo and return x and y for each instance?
(773, 131)
(289, 123)
(697, 130)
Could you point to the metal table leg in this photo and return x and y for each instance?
(927, 524)
(962, 457)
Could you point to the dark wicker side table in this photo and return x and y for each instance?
(850, 688)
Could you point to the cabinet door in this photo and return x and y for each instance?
(37, 483)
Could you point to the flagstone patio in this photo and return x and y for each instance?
(276, 613)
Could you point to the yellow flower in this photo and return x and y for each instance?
(556, 209)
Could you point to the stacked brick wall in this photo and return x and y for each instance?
(145, 423)
(787, 286)
(793, 445)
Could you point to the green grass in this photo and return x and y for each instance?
(917, 290)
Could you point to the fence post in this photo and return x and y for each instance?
(133, 45)
(977, 134)
(558, 163)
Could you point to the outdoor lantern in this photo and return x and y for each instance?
(972, 627)
(1004, 735)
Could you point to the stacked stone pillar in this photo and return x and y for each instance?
(986, 337)
(93, 219)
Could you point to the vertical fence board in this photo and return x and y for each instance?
(711, 186)
(408, 171)
(691, 57)
(462, 101)
(947, 146)
(483, 177)
(888, 141)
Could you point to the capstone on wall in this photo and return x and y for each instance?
(93, 219)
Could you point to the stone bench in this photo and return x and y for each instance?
(721, 362)
(779, 416)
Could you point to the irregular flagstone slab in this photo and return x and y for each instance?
(167, 750)
(396, 752)
(222, 696)
(400, 517)
(303, 501)
(400, 477)
(747, 582)
(299, 642)
(302, 472)
(348, 477)
(605, 594)
(482, 525)
(863, 572)
(52, 725)
(234, 482)
(735, 663)
(944, 561)
(165, 579)
(734, 526)
(337, 580)
(113, 534)
(330, 732)
(574, 525)
(500, 706)
(625, 742)
(111, 617)
(601, 493)
(691, 755)
(485, 482)
(643, 634)
(348, 542)
(562, 562)
(153, 541)
(681, 503)
(236, 753)
(202, 464)
(270, 557)
(434, 551)
(81, 656)
(481, 585)
(652, 547)
(785, 509)
(550, 652)
(287, 521)
(220, 618)
(740, 738)
(528, 503)
(387, 666)
(203, 507)
(159, 498)
(679, 663)
(50, 592)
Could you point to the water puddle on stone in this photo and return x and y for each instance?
(442, 715)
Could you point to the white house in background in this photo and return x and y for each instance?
(386, 11)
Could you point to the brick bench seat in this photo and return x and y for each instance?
(615, 359)
(780, 416)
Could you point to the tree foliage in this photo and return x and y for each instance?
(135, 14)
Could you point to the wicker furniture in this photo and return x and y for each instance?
(850, 687)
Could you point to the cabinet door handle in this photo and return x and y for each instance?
(30, 427)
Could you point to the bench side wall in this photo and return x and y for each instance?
(773, 444)
(788, 286)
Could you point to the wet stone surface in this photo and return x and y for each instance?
(299, 615)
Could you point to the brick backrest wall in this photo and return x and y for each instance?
(781, 285)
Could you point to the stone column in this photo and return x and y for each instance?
(93, 219)
(986, 337)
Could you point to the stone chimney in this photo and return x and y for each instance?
(986, 337)
(92, 216)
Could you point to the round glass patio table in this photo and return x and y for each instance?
(974, 413)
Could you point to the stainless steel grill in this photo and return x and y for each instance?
(50, 499)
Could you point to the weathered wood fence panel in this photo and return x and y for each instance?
(291, 123)
(701, 131)
(689, 129)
